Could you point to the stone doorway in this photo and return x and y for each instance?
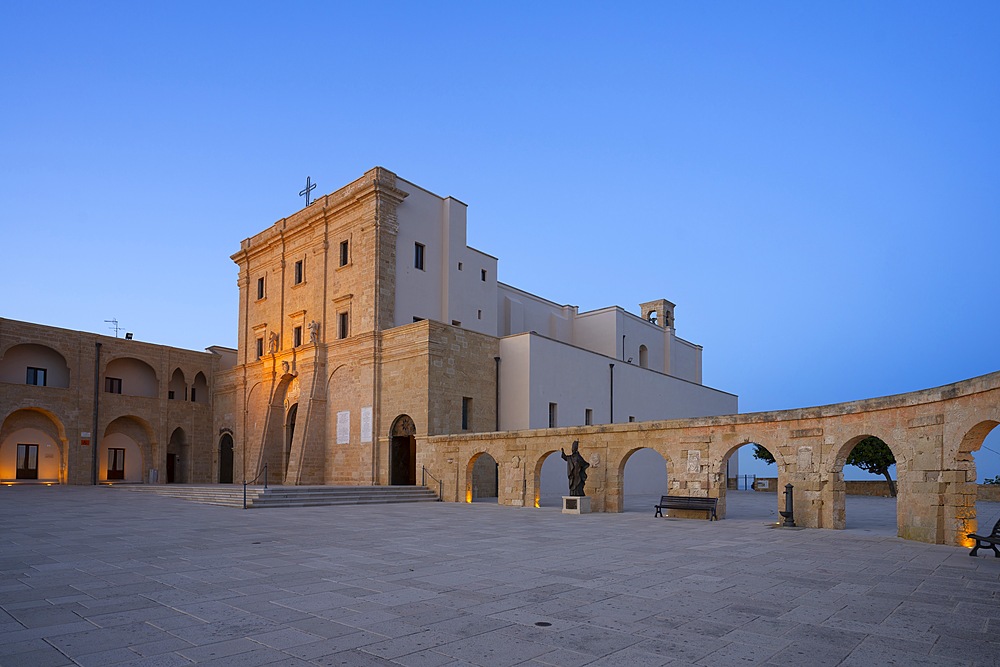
(403, 452)
(226, 459)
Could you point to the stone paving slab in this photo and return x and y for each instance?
(92, 577)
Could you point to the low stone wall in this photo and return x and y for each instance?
(988, 492)
(766, 484)
(873, 487)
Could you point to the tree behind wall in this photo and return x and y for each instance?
(871, 455)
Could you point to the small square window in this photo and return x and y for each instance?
(36, 376)
(588, 417)
(456, 323)
(553, 414)
(631, 418)
(343, 328)
(466, 412)
(297, 336)
(418, 256)
(344, 253)
(113, 385)
(260, 287)
(170, 394)
(482, 275)
(300, 274)
(260, 347)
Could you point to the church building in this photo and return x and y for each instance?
(365, 321)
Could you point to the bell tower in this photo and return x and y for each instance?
(659, 312)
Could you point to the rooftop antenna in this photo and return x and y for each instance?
(114, 325)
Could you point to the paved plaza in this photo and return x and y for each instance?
(97, 576)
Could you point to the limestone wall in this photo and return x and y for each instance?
(931, 433)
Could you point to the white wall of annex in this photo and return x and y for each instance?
(472, 300)
(543, 371)
(518, 312)
(685, 360)
(418, 293)
(547, 371)
(515, 379)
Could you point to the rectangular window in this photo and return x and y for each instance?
(483, 275)
(113, 385)
(343, 325)
(299, 273)
(553, 409)
(296, 336)
(260, 347)
(27, 462)
(344, 256)
(479, 315)
(459, 266)
(116, 463)
(260, 288)
(466, 412)
(456, 323)
(170, 394)
(418, 256)
(631, 418)
(36, 376)
(418, 319)
(193, 390)
(588, 417)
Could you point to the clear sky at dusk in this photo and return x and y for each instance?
(814, 185)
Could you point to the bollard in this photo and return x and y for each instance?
(789, 513)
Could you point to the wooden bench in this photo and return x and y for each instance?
(687, 503)
(987, 541)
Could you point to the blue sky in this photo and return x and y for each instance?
(814, 186)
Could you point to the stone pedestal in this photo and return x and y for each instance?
(576, 505)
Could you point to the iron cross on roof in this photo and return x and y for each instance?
(310, 186)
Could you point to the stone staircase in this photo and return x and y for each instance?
(285, 496)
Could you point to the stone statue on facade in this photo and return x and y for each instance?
(576, 469)
(313, 332)
(272, 345)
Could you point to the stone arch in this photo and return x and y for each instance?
(199, 388)
(133, 435)
(291, 415)
(403, 451)
(720, 473)
(966, 519)
(838, 487)
(34, 426)
(17, 359)
(178, 458)
(177, 389)
(482, 477)
(615, 489)
(134, 377)
(643, 356)
(536, 476)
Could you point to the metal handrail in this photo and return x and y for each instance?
(245, 483)
(423, 482)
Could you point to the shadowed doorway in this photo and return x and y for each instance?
(403, 452)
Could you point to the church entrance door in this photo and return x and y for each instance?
(403, 452)
(226, 459)
(171, 467)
